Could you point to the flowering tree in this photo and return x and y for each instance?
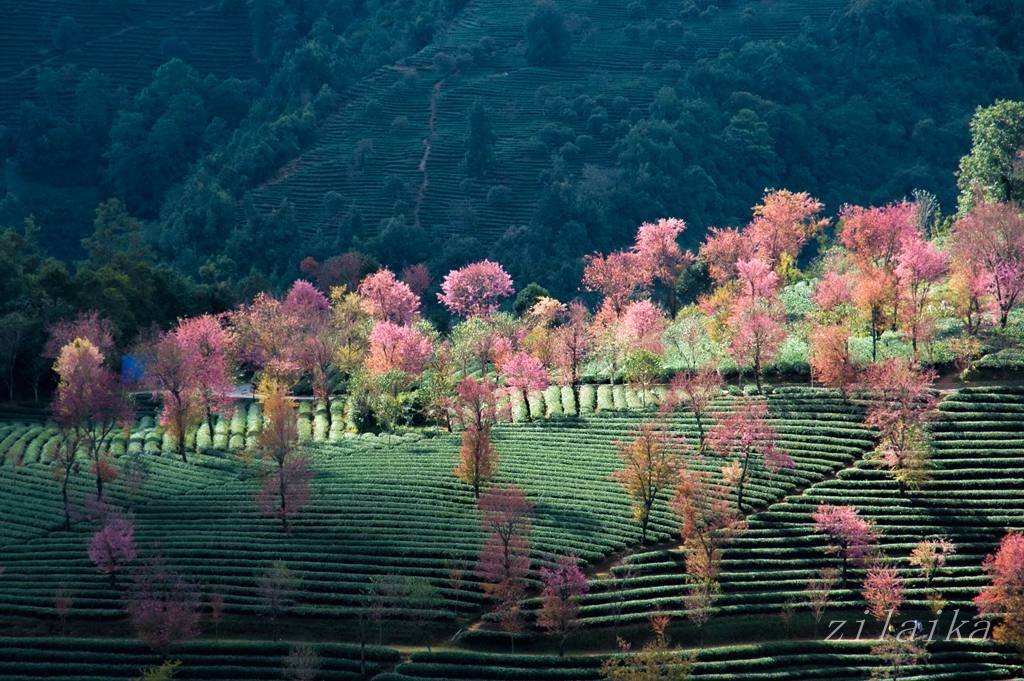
(616, 276)
(505, 557)
(562, 588)
(920, 265)
(476, 403)
(524, 372)
(835, 290)
(387, 299)
(829, 357)
(707, 521)
(657, 253)
(896, 656)
(1003, 598)
(642, 325)
(286, 491)
(756, 321)
(339, 270)
(650, 461)
(849, 536)
(874, 293)
(721, 250)
(90, 326)
(475, 290)
(205, 344)
(883, 591)
(877, 235)
(745, 436)
(164, 606)
(170, 371)
(653, 662)
(88, 405)
(113, 546)
(968, 292)
(477, 457)
(782, 223)
(417, 278)
(930, 555)
(573, 346)
(901, 407)
(398, 348)
(990, 238)
(696, 389)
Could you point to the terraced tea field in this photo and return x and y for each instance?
(380, 506)
(976, 495)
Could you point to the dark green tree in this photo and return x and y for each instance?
(547, 39)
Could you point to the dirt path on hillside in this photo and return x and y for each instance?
(428, 141)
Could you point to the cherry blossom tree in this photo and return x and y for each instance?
(967, 292)
(782, 223)
(1003, 597)
(848, 535)
(707, 521)
(89, 404)
(387, 299)
(829, 357)
(835, 290)
(657, 253)
(901, 406)
(163, 606)
(931, 555)
(170, 371)
(573, 346)
(642, 326)
(896, 655)
(721, 250)
(649, 468)
(90, 326)
(563, 586)
(417, 278)
(883, 592)
(478, 459)
(745, 436)
(819, 593)
(617, 277)
(696, 390)
(877, 235)
(205, 344)
(504, 559)
(990, 239)
(757, 319)
(112, 547)
(524, 372)
(398, 348)
(344, 270)
(920, 265)
(476, 403)
(874, 293)
(475, 290)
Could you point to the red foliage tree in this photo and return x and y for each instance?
(829, 357)
(658, 254)
(876, 235)
(417, 278)
(475, 290)
(616, 276)
(849, 536)
(721, 250)
(756, 322)
(206, 345)
(782, 223)
(745, 435)
(389, 300)
(707, 520)
(171, 372)
(286, 491)
(642, 325)
(563, 586)
(477, 457)
(90, 326)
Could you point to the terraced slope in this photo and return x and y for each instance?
(415, 116)
(975, 496)
(76, 659)
(803, 661)
(379, 507)
(125, 46)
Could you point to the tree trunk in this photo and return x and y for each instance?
(282, 490)
(64, 497)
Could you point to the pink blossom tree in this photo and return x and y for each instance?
(746, 436)
(286, 491)
(90, 326)
(834, 291)
(782, 223)
(206, 346)
(387, 299)
(642, 326)
(504, 559)
(848, 535)
(112, 547)
(89, 404)
(163, 606)
(877, 235)
(617, 277)
(697, 390)
(990, 238)
(721, 250)
(524, 372)
(1003, 597)
(756, 321)
(883, 592)
(920, 265)
(475, 290)
(563, 586)
(417, 278)
(171, 373)
(829, 357)
(657, 253)
(398, 348)
(573, 346)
